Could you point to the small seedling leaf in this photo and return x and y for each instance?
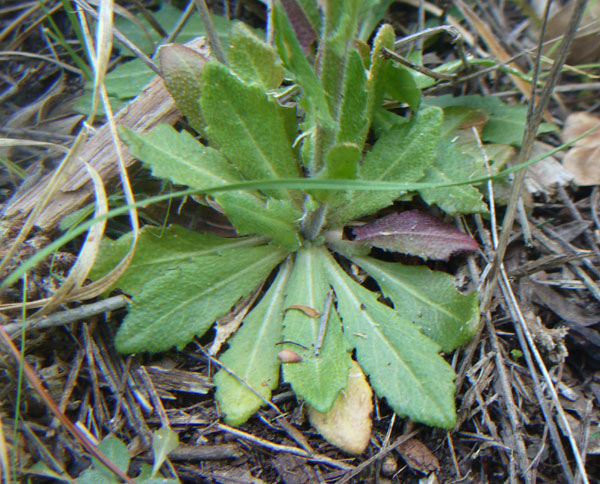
(427, 298)
(234, 110)
(116, 452)
(252, 355)
(348, 424)
(400, 85)
(415, 233)
(252, 59)
(184, 300)
(317, 379)
(164, 440)
(376, 83)
(402, 364)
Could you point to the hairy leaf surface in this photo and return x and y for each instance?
(402, 364)
(354, 120)
(252, 355)
(401, 154)
(415, 233)
(427, 298)
(183, 160)
(184, 300)
(246, 124)
(252, 59)
(159, 249)
(453, 165)
(317, 379)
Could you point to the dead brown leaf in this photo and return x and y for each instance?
(416, 454)
(348, 424)
(583, 159)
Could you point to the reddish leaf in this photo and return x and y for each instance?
(415, 233)
(305, 33)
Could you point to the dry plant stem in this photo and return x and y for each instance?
(322, 459)
(185, 16)
(240, 379)
(527, 344)
(533, 123)
(583, 440)
(388, 54)
(29, 55)
(577, 216)
(380, 455)
(38, 387)
(69, 316)
(511, 408)
(213, 38)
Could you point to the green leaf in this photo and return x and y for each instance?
(403, 153)
(160, 249)
(376, 83)
(247, 126)
(167, 16)
(402, 364)
(184, 160)
(401, 86)
(506, 123)
(374, 11)
(453, 165)
(116, 452)
(183, 300)
(427, 298)
(317, 379)
(252, 59)
(354, 121)
(127, 79)
(164, 440)
(252, 355)
(294, 60)
(341, 163)
(181, 68)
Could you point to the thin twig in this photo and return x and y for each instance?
(213, 38)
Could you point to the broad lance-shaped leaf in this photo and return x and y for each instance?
(184, 300)
(452, 165)
(183, 160)
(316, 379)
(252, 355)
(427, 298)
(415, 233)
(252, 59)
(158, 250)
(403, 365)
(181, 68)
(247, 126)
(401, 154)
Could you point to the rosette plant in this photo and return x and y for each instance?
(299, 122)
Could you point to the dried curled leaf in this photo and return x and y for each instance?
(582, 158)
(348, 424)
(415, 233)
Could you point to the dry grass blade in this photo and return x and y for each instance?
(4, 462)
(89, 251)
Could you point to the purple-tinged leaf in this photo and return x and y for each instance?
(415, 233)
(305, 33)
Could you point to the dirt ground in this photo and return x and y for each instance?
(532, 368)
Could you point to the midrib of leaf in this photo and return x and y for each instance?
(249, 133)
(235, 244)
(219, 285)
(364, 263)
(334, 272)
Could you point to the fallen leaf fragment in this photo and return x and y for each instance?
(415, 233)
(583, 159)
(348, 424)
(418, 457)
